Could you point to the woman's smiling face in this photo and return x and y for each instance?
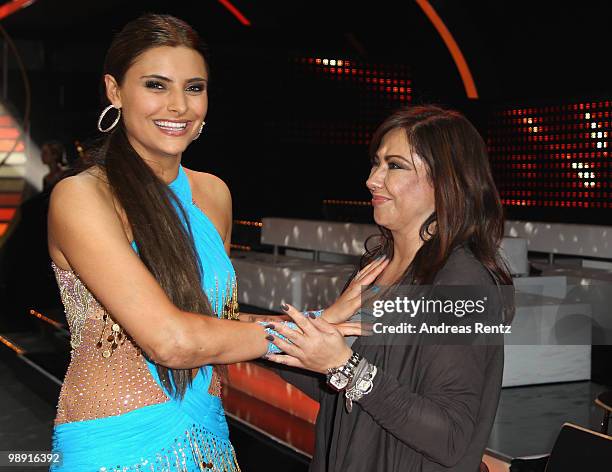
(163, 100)
(402, 193)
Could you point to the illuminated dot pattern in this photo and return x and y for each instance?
(375, 89)
(552, 156)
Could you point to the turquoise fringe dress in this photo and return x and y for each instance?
(176, 435)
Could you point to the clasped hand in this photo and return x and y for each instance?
(317, 345)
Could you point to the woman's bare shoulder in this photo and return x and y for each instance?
(75, 200)
(90, 181)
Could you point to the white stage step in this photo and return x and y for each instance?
(16, 158)
(12, 171)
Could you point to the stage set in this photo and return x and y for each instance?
(296, 92)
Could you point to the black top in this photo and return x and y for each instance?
(432, 406)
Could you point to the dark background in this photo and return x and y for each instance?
(519, 53)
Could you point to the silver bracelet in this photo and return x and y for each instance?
(361, 386)
(359, 371)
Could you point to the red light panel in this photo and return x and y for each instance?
(554, 156)
(374, 90)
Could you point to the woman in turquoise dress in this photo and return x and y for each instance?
(139, 247)
(135, 423)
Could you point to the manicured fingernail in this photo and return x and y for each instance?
(270, 338)
(284, 306)
(312, 315)
(271, 326)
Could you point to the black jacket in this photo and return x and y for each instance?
(432, 406)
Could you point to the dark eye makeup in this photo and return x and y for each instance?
(158, 85)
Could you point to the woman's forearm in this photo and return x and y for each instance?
(201, 340)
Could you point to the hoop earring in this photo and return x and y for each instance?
(102, 117)
(199, 131)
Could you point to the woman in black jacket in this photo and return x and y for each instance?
(411, 404)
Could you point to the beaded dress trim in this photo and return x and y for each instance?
(104, 377)
(79, 303)
(197, 447)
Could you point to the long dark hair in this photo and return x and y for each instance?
(468, 210)
(164, 244)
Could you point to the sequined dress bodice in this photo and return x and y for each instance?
(108, 372)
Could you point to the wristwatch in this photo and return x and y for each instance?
(339, 377)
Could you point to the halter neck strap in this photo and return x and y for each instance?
(180, 186)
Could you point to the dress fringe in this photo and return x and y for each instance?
(196, 450)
